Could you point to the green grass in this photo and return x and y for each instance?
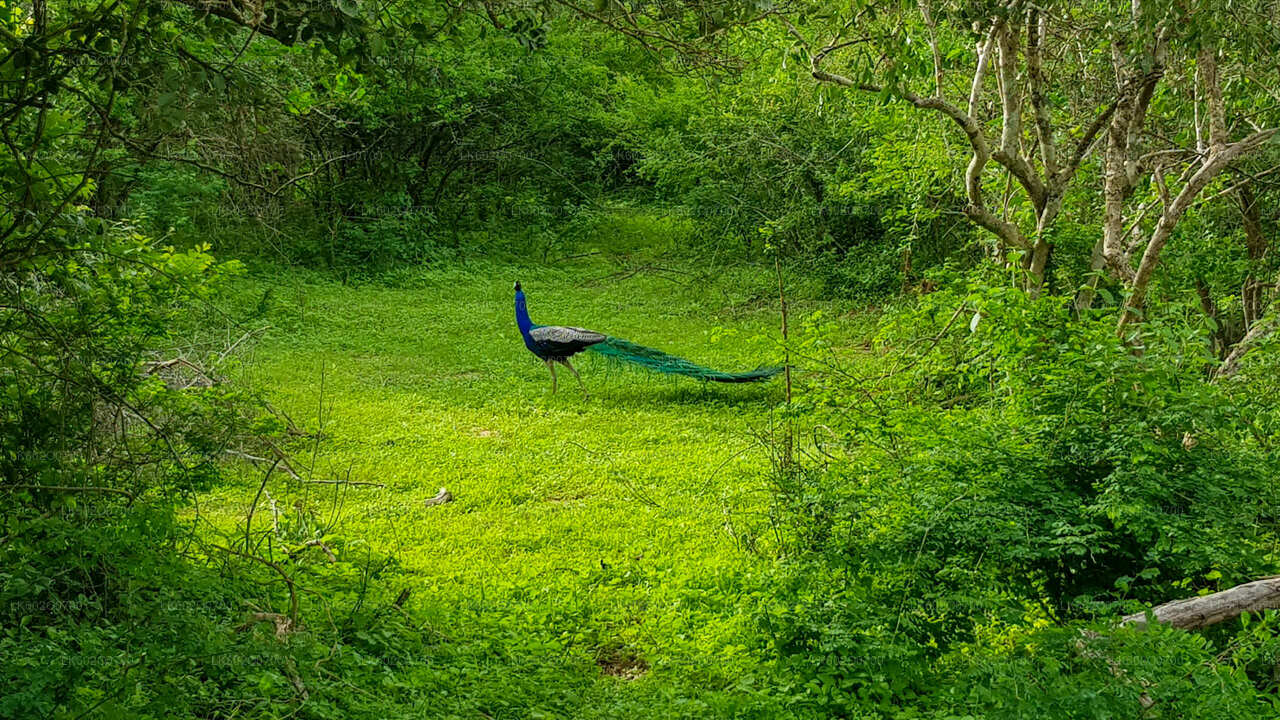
(592, 563)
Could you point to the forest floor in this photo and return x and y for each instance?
(601, 557)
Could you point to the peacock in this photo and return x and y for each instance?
(557, 343)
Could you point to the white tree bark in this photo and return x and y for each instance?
(997, 52)
(1201, 612)
(1220, 155)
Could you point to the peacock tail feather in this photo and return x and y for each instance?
(658, 361)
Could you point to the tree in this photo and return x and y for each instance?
(1142, 106)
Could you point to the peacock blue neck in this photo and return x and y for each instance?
(522, 314)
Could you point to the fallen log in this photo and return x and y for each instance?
(1204, 611)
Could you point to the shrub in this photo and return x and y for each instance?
(1022, 469)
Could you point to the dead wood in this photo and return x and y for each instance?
(168, 371)
(317, 544)
(283, 623)
(1085, 648)
(1195, 613)
(441, 498)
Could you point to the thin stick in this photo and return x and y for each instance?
(248, 521)
(786, 364)
(782, 299)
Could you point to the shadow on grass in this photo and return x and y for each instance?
(660, 392)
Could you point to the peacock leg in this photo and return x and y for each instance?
(551, 365)
(585, 394)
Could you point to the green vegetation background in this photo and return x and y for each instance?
(970, 484)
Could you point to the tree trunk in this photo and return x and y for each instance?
(1261, 329)
(1219, 157)
(1040, 251)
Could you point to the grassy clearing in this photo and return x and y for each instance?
(591, 564)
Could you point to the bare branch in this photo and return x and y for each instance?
(73, 489)
(1158, 175)
(1119, 169)
(976, 210)
(247, 14)
(932, 26)
(288, 581)
(1213, 165)
(1086, 142)
(317, 544)
(1037, 24)
(439, 498)
(1211, 87)
(353, 483)
(1010, 154)
(983, 49)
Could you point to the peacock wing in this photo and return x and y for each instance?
(562, 341)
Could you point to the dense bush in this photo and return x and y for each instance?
(79, 402)
(115, 415)
(840, 183)
(1022, 469)
(457, 145)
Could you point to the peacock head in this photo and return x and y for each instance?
(517, 286)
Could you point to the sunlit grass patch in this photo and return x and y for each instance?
(587, 540)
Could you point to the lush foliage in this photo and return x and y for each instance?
(1016, 471)
(216, 484)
